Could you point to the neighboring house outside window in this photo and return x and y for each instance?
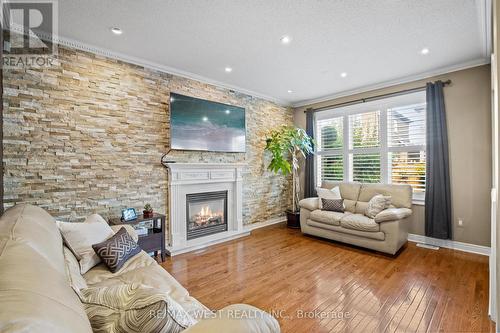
(376, 142)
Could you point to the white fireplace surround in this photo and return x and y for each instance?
(188, 178)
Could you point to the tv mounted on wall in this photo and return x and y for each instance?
(197, 124)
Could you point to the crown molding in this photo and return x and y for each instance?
(484, 8)
(74, 44)
(390, 83)
(162, 68)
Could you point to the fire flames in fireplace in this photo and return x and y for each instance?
(206, 217)
(206, 213)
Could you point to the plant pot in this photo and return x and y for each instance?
(147, 214)
(293, 219)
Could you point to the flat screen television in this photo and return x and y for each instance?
(197, 124)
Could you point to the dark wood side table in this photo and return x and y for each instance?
(154, 240)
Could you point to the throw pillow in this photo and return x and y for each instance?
(133, 308)
(377, 204)
(324, 193)
(81, 236)
(333, 205)
(117, 250)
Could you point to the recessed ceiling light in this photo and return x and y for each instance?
(205, 118)
(343, 74)
(290, 91)
(228, 111)
(285, 39)
(228, 69)
(116, 31)
(424, 51)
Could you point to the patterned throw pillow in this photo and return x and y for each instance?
(333, 205)
(133, 308)
(115, 251)
(377, 204)
(324, 193)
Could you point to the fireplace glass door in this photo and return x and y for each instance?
(206, 213)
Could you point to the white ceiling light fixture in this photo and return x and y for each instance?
(343, 74)
(228, 111)
(285, 39)
(424, 51)
(290, 91)
(228, 69)
(116, 31)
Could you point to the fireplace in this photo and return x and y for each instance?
(200, 190)
(206, 213)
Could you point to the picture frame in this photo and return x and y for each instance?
(129, 214)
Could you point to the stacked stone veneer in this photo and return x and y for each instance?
(87, 136)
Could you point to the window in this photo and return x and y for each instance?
(331, 141)
(376, 142)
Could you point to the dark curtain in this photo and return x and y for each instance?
(309, 184)
(437, 185)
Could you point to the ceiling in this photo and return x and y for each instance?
(374, 42)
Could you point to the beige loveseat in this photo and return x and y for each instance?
(36, 296)
(387, 232)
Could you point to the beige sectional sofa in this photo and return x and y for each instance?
(387, 232)
(37, 292)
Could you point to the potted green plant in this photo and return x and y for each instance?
(148, 211)
(286, 145)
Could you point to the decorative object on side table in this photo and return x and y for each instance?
(151, 231)
(286, 145)
(148, 211)
(129, 214)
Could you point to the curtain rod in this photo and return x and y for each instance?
(369, 99)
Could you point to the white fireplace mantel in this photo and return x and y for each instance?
(190, 178)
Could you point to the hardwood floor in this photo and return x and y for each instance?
(284, 272)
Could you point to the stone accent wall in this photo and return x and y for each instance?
(87, 136)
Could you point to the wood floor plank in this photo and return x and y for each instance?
(323, 286)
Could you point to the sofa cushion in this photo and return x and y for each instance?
(379, 235)
(38, 229)
(75, 278)
(359, 222)
(401, 194)
(361, 207)
(133, 308)
(377, 204)
(325, 216)
(35, 295)
(81, 237)
(348, 191)
(117, 250)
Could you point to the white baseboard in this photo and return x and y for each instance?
(263, 224)
(450, 244)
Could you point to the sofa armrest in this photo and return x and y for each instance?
(309, 203)
(392, 214)
(239, 318)
(131, 231)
